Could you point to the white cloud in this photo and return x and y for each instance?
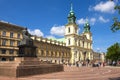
(106, 7)
(36, 32)
(92, 21)
(82, 21)
(58, 30)
(103, 19)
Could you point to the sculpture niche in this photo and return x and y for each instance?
(26, 47)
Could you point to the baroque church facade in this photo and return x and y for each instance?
(80, 44)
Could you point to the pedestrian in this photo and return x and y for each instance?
(103, 64)
(114, 63)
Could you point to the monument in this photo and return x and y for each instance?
(27, 62)
(26, 47)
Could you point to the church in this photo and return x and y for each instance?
(80, 44)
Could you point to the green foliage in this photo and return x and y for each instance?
(113, 52)
(116, 25)
(117, 7)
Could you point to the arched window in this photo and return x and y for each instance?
(69, 41)
(69, 30)
(75, 30)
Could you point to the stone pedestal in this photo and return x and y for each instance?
(27, 51)
(26, 66)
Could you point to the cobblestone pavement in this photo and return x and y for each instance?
(75, 73)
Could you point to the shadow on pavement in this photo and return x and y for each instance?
(118, 78)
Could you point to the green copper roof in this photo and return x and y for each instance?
(71, 16)
(87, 27)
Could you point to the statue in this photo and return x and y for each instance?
(26, 47)
(26, 38)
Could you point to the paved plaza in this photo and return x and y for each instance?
(75, 73)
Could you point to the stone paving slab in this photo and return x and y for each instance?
(75, 73)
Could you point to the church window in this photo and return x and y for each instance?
(75, 41)
(83, 44)
(69, 30)
(68, 41)
(75, 30)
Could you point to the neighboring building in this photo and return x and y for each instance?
(103, 57)
(98, 56)
(52, 50)
(10, 36)
(80, 44)
(47, 49)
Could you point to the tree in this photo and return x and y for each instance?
(116, 25)
(113, 52)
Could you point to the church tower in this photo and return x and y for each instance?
(88, 35)
(87, 31)
(71, 33)
(71, 28)
(80, 44)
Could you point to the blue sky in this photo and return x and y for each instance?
(47, 18)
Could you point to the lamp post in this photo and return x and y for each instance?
(79, 56)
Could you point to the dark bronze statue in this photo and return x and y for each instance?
(26, 47)
(26, 38)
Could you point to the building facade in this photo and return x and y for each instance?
(52, 50)
(80, 44)
(99, 56)
(10, 36)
